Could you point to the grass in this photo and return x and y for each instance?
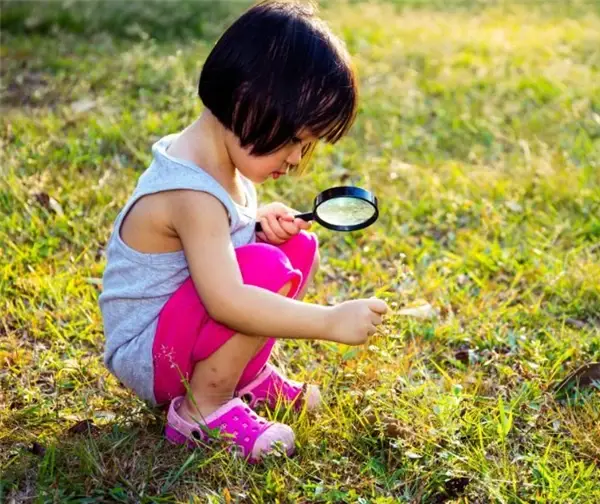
(479, 130)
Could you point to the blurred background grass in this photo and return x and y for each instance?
(155, 19)
(479, 130)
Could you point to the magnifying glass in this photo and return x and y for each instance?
(344, 208)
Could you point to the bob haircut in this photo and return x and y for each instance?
(277, 71)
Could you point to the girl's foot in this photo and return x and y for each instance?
(249, 433)
(270, 386)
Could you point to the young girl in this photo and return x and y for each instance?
(193, 297)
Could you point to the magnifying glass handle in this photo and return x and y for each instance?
(308, 216)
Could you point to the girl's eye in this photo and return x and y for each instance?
(296, 140)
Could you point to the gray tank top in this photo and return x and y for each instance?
(137, 285)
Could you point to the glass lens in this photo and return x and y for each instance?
(345, 211)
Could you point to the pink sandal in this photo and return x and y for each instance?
(270, 386)
(249, 433)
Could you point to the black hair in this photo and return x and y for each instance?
(275, 71)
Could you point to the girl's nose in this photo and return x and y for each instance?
(295, 156)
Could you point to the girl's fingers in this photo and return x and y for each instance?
(276, 228)
(302, 224)
(377, 305)
(290, 228)
(271, 237)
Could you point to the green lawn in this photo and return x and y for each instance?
(479, 131)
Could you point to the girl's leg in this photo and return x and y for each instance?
(191, 347)
(303, 253)
(215, 378)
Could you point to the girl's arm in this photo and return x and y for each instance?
(201, 222)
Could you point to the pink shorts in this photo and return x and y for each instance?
(186, 334)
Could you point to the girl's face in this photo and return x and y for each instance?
(259, 168)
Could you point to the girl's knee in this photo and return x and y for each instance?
(304, 243)
(267, 266)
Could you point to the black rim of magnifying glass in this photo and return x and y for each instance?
(346, 191)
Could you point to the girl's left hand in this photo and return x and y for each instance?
(278, 223)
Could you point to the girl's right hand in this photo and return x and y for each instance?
(352, 322)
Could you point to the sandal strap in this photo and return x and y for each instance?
(268, 385)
